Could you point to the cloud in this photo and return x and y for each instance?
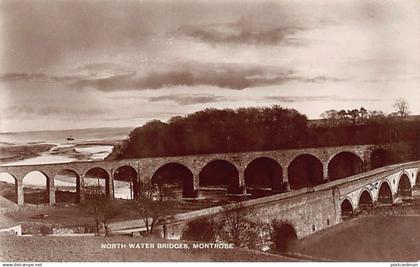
(29, 111)
(109, 77)
(230, 76)
(184, 99)
(322, 79)
(243, 31)
(295, 99)
(28, 77)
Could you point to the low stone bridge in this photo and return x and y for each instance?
(312, 209)
(279, 170)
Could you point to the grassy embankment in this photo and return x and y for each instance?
(389, 233)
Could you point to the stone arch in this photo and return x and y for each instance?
(380, 157)
(67, 185)
(176, 176)
(263, 173)
(385, 193)
(8, 186)
(36, 187)
(365, 200)
(126, 182)
(404, 185)
(344, 164)
(97, 181)
(222, 174)
(347, 210)
(305, 170)
(284, 234)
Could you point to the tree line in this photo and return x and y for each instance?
(265, 128)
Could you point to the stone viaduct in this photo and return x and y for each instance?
(291, 168)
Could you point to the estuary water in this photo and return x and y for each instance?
(88, 145)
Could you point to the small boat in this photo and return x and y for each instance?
(70, 138)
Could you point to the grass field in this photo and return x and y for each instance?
(370, 238)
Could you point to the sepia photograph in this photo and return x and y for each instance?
(145, 131)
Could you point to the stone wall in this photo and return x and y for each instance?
(306, 212)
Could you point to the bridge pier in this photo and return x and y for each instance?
(325, 177)
(51, 191)
(367, 161)
(109, 186)
(195, 186)
(137, 185)
(80, 189)
(242, 185)
(285, 183)
(19, 192)
(337, 205)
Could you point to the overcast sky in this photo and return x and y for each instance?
(71, 64)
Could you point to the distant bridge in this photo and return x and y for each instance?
(278, 170)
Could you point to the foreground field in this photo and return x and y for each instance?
(63, 249)
(370, 238)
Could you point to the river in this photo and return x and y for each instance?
(65, 151)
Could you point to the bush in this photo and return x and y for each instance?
(45, 230)
(200, 230)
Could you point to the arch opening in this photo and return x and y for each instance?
(380, 157)
(126, 183)
(220, 174)
(96, 183)
(284, 236)
(385, 194)
(35, 188)
(404, 186)
(263, 175)
(344, 164)
(365, 201)
(177, 180)
(305, 170)
(346, 209)
(417, 183)
(67, 184)
(8, 186)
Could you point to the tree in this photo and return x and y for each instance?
(376, 115)
(101, 208)
(401, 107)
(354, 115)
(330, 118)
(217, 131)
(152, 204)
(236, 228)
(363, 113)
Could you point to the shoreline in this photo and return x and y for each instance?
(14, 152)
(19, 152)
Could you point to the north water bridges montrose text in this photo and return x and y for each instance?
(294, 168)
